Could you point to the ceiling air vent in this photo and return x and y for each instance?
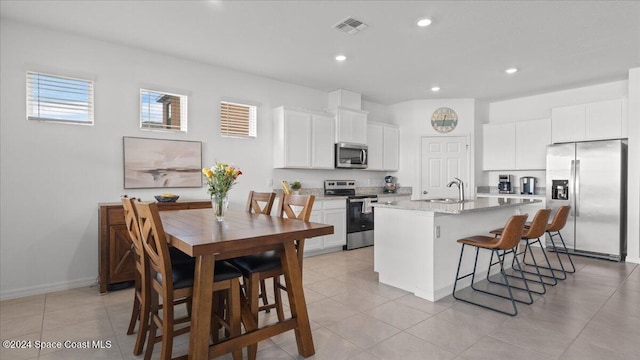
(350, 25)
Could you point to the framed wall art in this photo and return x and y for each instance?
(160, 163)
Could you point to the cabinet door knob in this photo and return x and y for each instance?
(425, 192)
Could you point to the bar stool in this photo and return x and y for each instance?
(531, 235)
(553, 230)
(256, 268)
(174, 282)
(262, 203)
(500, 245)
(141, 307)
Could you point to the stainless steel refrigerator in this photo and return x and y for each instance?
(591, 177)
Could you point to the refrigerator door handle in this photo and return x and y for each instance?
(576, 185)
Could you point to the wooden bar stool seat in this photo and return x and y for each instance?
(500, 246)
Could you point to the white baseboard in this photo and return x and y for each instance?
(42, 289)
(632, 260)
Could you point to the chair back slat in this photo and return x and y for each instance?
(559, 219)
(286, 209)
(512, 232)
(133, 228)
(257, 198)
(154, 243)
(538, 224)
(288, 203)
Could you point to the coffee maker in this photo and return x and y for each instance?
(390, 185)
(527, 185)
(505, 184)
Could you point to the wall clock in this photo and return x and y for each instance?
(444, 120)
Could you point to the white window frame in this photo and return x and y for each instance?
(252, 121)
(37, 107)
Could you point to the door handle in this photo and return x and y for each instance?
(576, 191)
(425, 192)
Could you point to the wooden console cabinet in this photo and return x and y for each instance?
(115, 248)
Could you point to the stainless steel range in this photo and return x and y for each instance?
(359, 212)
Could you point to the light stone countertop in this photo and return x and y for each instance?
(478, 204)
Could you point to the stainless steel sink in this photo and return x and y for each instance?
(447, 201)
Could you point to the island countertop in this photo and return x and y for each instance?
(477, 204)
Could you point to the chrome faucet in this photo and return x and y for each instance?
(457, 182)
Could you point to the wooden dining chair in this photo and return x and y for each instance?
(261, 203)
(141, 305)
(260, 267)
(171, 282)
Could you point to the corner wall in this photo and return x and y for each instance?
(633, 172)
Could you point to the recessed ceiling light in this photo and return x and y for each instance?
(424, 22)
(341, 58)
(511, 70)
(435, 88)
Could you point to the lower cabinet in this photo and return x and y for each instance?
(332, 212)
(115, 251)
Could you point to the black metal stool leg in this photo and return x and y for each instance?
(538, 267)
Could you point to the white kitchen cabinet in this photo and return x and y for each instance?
(516, 146)
(594, 121)
(383, 141)
(498, 146)
(351, 125)
(322, 143)
(332, 212)
(603, 120)
(315, 243)
(567, 123)
(532, 138)
(302, 139)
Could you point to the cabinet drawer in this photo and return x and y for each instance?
(334, 204)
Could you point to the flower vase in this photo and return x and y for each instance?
(219, 204)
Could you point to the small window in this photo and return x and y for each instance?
(238, 120)
(59, 99)
(163, 111)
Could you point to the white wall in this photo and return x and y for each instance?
(414, 119)
(633, 179)
(53, 176)
(539, 106)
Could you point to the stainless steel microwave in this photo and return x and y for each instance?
(351, 156)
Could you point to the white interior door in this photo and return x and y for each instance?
(442, 159)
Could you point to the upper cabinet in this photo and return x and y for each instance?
(532, 138)
(302, 139)
(515, 146)
(383, 141)
(498, 146)
(594, 121)
(351, 125)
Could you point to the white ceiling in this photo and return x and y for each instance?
(555, 44)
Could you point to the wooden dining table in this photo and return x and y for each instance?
(197, 233)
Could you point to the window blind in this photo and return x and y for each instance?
(60, 99)
(237, 119)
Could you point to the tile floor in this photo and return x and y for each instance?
(594, 314)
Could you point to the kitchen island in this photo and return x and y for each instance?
(415, 241)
